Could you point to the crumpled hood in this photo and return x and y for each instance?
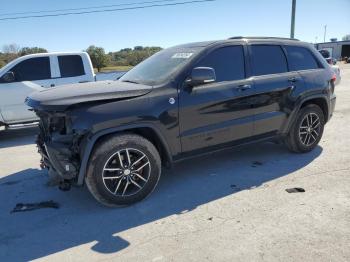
(61, 97)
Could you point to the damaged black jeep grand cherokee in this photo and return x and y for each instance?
(186, 100)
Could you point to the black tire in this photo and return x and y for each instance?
(104, 153)
(296, 138)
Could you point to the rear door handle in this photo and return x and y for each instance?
(244, 87)
(52, 85)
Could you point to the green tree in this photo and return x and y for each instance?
(98, 57)
(31, 50)
(131, 57)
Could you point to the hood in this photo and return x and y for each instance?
(61, 97)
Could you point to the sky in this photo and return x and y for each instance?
(172, 25)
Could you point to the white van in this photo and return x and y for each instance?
(35, 72)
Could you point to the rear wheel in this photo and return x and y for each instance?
(307, 131)
(123, 169)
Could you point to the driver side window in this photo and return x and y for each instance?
(228, 63)
(32, 69)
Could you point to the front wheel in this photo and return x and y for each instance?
(307, 131)
(123, 169)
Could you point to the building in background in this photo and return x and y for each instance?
(337, 49)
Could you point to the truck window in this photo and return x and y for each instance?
(300, 58)
(268, 59)
(32, 69)
(71, 65)
(228, 63)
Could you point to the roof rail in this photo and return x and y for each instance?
(263, 37)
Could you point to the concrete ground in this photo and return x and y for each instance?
(230, 206)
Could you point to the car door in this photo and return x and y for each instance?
(272, 84)
(71, 70)
(219, 112)
(302, 60)
(32, 74)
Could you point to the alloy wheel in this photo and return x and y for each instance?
(310, 129)
(126, 172)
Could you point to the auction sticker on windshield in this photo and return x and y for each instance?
(182, 55)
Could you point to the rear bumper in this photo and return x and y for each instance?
(332, 103)
(338, 80)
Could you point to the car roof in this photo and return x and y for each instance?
(241, 39)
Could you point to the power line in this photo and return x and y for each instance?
(106, 10)
(85, 8)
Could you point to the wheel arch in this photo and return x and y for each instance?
(320, 100)
(147, 131)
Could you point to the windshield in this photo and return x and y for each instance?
(159, 67)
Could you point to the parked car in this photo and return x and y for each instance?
(332, 63)
(181, 102)
(37, 72)
(327, 55)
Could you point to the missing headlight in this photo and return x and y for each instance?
(58, 124)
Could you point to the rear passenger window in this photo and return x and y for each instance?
(32, 69)
(300, 58)
(268, 59)
(228, 63)
(71, 65)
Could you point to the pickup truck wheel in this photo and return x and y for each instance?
(306, 132)
(123, 170)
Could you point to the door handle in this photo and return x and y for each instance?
(292, 79)
(244, 87)
(52, 85)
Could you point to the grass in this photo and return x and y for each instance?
(114, 68)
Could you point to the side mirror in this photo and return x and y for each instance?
(8, 77)
(201, 76)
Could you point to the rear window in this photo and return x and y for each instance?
(268, 59)
(71, 65)
(300, 58)
(228, 63)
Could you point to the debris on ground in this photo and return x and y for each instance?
(256, 163)
(295, 190)
(20, 207)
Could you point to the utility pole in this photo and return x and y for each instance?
(292, 24)
(325, 32)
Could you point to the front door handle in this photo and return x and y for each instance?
(244, 87)
(292, 79)
(52, 85)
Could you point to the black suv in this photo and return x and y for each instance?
(183, 101)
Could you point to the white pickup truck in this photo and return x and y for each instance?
(30, 73)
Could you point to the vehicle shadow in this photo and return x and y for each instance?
(18, 137)
(80, 220)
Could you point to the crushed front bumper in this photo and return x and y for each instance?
(57, 157)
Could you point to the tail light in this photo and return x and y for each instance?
(332, 82)
(334, 77)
